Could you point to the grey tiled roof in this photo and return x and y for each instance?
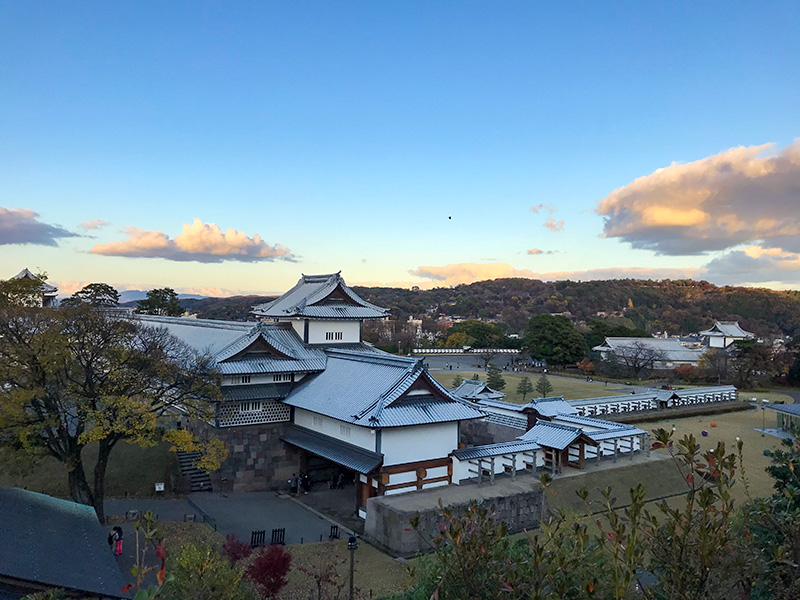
(550, 408)
(580, 421)
(206, 336)
(494, 450)
(508, 421)
(789, 409)
(728, 329)
(472, 389)
(717, 389)
(46, 287)
(369, 390)
(610, 434)
(342, 453)
(501, 404)
(223, 340)
(57, 543)
(621, 398)
(669, 349)
(551, 435)
(309, 298)
(258, 391)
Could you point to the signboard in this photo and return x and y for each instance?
(159, 487)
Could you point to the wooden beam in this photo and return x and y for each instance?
(420, 464)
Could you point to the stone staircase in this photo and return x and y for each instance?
(200, 480)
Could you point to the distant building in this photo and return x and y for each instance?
(725, 333)
(788, 415)
(51, 543)
(49, 292)
(662, 353)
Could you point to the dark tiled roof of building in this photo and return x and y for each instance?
(472, 389)
(320, 297)
(370, 390)
(56, 543)
(342, 453)
(490, 450)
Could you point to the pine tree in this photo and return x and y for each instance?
(525, 387)
(543, 387)
(494, 379)
(457, 381)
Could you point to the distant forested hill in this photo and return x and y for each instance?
(681, 306)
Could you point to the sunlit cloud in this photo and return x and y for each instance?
(536, 208)
(537, 251)
(201, 242)
(554, 225)
(741, 195)
(22, 226)
(93, 224)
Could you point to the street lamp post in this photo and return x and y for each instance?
(352, 544)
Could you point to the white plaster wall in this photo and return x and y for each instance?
(359, 436)
(254, 379)
(351, 331)
(422, 442)
(461, 469)
(411, 476)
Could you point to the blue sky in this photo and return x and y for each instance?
(402, 143)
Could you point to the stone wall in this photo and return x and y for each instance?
(388, 523)
(257, 459)
(481, 433)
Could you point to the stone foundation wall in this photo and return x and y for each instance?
(257, 458)
(482, 433)
(389, 527)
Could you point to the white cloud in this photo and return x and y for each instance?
(201, 242)
(715, 203)
(546, 207)
(22, 226)
(93, 224)
(554, 225)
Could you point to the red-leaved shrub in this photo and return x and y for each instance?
(268, 570)
(235, 549)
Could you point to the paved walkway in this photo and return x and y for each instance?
(775, 432)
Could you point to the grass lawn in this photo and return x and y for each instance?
(729, 426)
(376, 574)
(132, 471)
(570, 388)
(660, 478)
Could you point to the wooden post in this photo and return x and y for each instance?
(581, 454)
(616, 446)
(491, 473)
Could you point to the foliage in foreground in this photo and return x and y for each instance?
(704, 548)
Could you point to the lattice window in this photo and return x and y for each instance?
(317, 422)
(279, 377)
(333, 336)
(344, 431)
(236, 379)
(253, 413)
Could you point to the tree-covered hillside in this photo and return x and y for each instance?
(680, 306)
(677, 306)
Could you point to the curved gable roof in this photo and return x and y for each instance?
(320, 296)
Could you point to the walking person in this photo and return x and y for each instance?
(294, 484)
(117, 537)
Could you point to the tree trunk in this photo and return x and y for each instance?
(103, 453)
(78, 486)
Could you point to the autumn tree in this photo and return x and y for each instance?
(552, 338)
(94, 294)
(750, 361)
(160, 301)
(22, 291)
(78, 376)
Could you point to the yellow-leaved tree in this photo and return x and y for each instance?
(76, 376)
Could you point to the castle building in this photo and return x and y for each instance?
(302, 391)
